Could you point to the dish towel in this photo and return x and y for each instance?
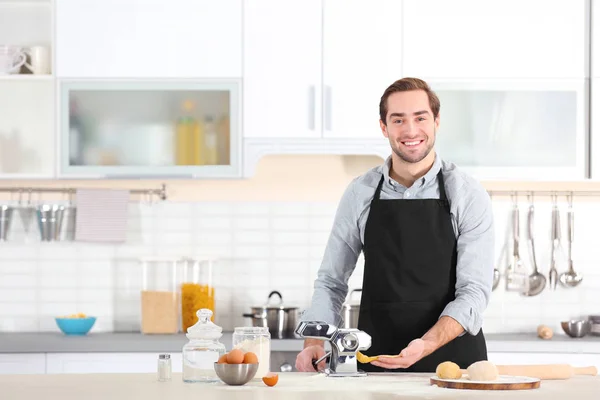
(101, 215)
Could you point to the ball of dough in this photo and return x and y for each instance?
(448, 370)
(482, 371)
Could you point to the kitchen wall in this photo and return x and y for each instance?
(269, 232)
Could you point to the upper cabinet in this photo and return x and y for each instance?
(282, 69)
(495, 38)
(318, 68)
(149, 38)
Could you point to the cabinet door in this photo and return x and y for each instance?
(27, 128)
(495, 38)
(361, 57)
(148, 38)
(29, 363)
(514, 129)
(97, 363)
(282, 69)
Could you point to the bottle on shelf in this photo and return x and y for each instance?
(189, 137)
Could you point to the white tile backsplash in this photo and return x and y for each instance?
(263, 247)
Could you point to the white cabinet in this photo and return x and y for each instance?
(318, 68)
(149, 38)
(112, 363)
(514, 129)
(495, 38)
(282, 68)
(25, 363)
(361, 57)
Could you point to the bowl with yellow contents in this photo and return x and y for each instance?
(75, 324)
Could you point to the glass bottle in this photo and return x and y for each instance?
(257, 340)
(164, 367)
(159, 296)
(203, 350)
(197, 291)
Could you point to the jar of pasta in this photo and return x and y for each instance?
(159, 296)
(197, 291)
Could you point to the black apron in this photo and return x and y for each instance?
(409, 278)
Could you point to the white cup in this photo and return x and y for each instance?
(11, 60)
(40, 60)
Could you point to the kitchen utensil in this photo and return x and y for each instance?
(280, 320)
(496, 279)
(537, 281)
(553, 274)
(26, 212)
(6, 214)
(344, 346)
(67, 232)
(50, 218)
(576, 328)
(516, 279)
(546, 371)
(236, 374)
(570, 278)
(501, 383)
(595, 329)
(351, 311)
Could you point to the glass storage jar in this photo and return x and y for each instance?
(197, 291)
(203, 350)
(159, 296)
(258, 341)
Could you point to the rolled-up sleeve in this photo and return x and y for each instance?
(475, 259)
(339, 261)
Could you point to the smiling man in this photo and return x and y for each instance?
(426, 230)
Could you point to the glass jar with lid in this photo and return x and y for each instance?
(257, 340)
(197, 290)
(203, 350)
(159, 296)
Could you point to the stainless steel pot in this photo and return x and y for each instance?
(280, 320)
(351, 311)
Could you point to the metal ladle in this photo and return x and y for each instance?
(553, 274)
(570, 278)
(537, 281)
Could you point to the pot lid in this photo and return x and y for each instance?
(204, 328)
(350, 301)
(280, 306)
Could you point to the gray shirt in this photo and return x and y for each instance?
(472, 220)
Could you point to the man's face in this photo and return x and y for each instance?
(410, 125)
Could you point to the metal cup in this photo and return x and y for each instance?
(50, 218)
(6, 213)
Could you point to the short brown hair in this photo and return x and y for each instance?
(405, 85)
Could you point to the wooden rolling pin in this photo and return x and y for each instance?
(544, 371)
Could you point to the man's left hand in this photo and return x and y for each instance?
(408, 356)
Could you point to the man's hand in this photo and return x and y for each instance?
(408, 356)
(444, 331)
(313, 350)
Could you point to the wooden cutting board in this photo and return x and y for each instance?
(504, 382)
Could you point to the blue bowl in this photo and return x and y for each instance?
(75, 326)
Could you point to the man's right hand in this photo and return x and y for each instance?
(306, 357)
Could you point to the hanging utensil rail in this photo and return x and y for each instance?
(549, 193)
(160, 193)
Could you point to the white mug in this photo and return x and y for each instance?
(40, 60)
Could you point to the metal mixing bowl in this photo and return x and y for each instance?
(236, 374)
(577, 328)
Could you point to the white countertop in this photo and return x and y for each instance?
(291, 386)
(49, 342)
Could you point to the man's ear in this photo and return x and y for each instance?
(383, 128)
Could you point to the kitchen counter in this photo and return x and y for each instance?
(135, 342)
(290, 386)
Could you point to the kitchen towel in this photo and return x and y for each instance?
(101, 215)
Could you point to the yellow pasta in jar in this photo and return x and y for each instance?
(194, 297)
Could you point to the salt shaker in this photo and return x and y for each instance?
(164, 367)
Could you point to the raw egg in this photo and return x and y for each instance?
(250, 358)
(235, 356)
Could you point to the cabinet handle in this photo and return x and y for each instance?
(327, 101)
(311, 107)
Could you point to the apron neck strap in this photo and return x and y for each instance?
(442, 188)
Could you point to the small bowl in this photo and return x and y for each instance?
(75, 326)
(576, 328)
(236, 374)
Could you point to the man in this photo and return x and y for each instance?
(426, 229)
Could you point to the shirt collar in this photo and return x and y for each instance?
(425, 179)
